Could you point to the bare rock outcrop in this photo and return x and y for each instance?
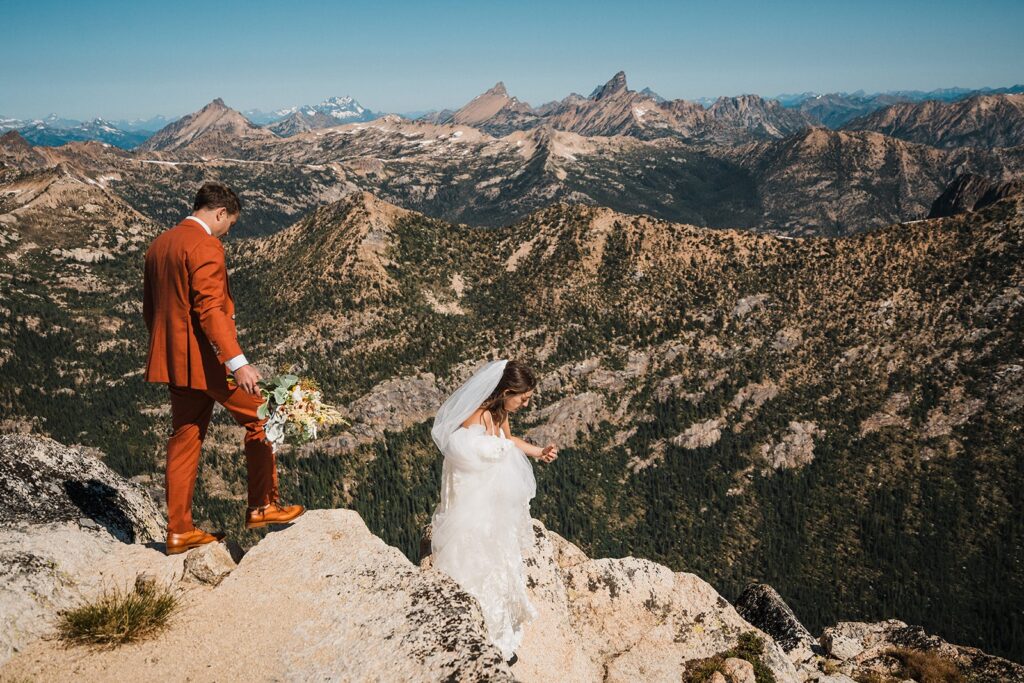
(701, 434)
(47, 568)
(760, 604)
(70, 528)
(209, 564)
(794, 450)
(308, 602)
(623, 619)
(863, 648)
(960, 195)
(562, 420)
(859, 651)
(393, 405)
(43, 481)
(324, 599)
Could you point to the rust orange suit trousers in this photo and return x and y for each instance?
(191, 410)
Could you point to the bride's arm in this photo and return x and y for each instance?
(528, 448)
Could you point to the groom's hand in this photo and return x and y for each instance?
(246, 377)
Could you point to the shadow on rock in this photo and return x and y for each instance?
(101, 503)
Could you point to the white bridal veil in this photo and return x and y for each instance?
(464, 401)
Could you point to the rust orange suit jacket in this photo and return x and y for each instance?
(188, 309)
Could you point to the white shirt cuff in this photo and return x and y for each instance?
(237, 362)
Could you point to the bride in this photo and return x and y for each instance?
(482, 523)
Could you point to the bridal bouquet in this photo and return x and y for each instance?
(295, 409)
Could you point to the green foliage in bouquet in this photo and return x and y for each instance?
(276, 389)
(294, 409)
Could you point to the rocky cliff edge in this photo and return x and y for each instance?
(325, 599)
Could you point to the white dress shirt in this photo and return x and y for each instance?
(239, 360)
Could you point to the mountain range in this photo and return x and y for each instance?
(743, 162)
(760, 358)
(943, 94)
(54, 131)
(733, 166)
(43, 134)
(981, 121)
(835, 109)
(614, 109)
(737, 404)
(832, 110)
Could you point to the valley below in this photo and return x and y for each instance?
(759, 358)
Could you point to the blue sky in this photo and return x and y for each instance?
(138, 59)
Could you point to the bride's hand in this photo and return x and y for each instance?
(548, 453)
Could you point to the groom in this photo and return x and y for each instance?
(193, 346)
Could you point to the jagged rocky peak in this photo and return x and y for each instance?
(498, 89)
(12, 139)
(17, 152)
(214, 128)
(216, 107)
(613, 87)
(755, 114)
(495, 112)
(651, 95)
(497, 93)
(332, 112)
(741, 104)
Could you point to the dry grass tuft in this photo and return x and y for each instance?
(119, 617)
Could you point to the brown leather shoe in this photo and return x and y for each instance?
(273, 513)
(179, 543)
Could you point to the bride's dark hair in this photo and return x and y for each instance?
(516, 379)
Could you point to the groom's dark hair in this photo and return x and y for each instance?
(217, 196)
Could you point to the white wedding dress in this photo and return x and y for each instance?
(482, 525)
